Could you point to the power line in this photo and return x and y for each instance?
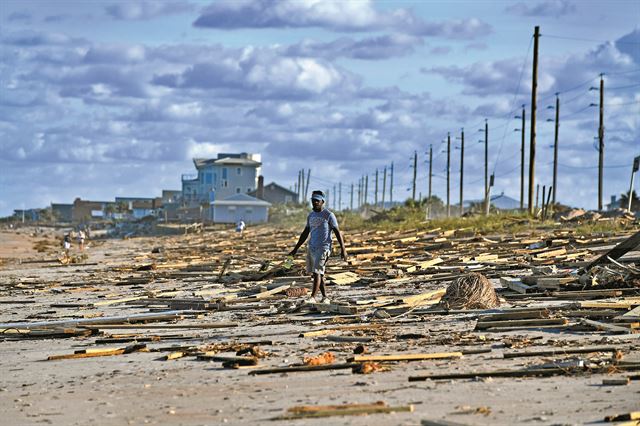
(515, 95)
(589, 39)
(623, 87)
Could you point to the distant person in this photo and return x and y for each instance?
(66, 244)
(320, 223)
(240, 226)
(81, 237)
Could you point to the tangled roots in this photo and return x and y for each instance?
(473, 291)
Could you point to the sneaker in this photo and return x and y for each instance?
(326, 300)
(309, 300)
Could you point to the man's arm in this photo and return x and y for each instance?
(301, 240)
(343, 251)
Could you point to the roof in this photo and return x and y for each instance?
(280, 187)
(500, 201)
(204, 162)
(240, 200)
(273, 186)
(238, 162)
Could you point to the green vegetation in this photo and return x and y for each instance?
(412, 216)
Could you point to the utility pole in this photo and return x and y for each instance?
(351, 202)
(430, 177)
(366, 188)
(430, 168)
(384, 185)
(522, 148)
(339, 195)
(486, 165)
(299, 186)
(359, 192)
(415, 172)
(488, 204)
(328, 192)
(306, 188)
(555, 151)
(532, 142)
(391, 187)
(634, 169)
(375, 198)
(334, 194)
(461, 171)
(601, 143)
(448, 173)
(304, 196)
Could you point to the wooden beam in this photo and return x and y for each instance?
(617, 252)
(301, 368)
(404, 357)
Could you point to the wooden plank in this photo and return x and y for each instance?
(338, 309)
(424, 265)
(484, 325)
(303, 368)
(418, 298)
(514, 284)
(356, 411)
(116, 301)
(617, 252)
(90, 353)
(619, 304)
(313, 408)
(160, 326)
(632, 316)
(349, 339)
(427, 422)
(634, 415)
(606, 327)
(554, 352)
(404, 357)
(154, 316)
(268, 293)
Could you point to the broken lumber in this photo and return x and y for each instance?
(341, 410)
(404, 357)
(606, 327)
(555, 352)
(90, 353)
(299, 368)
(484, 325)
(514, 284)
(616, 252)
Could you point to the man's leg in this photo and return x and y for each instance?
(316, 284)
(323, 290)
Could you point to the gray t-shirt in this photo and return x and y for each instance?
(320, 225)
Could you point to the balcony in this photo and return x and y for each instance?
(189, 177)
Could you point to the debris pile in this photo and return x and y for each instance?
(430, 305)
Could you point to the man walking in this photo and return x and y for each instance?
(320, 223)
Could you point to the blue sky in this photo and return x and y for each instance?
(114, 98)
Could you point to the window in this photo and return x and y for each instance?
(225, 183)
(232, 208)
(224, 173)
(207, 178)
(238, 190)
(248, 210)
(249, 189)
(239, 171)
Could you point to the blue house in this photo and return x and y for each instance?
(220, 178)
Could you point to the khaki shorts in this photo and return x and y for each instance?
(317, 260)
